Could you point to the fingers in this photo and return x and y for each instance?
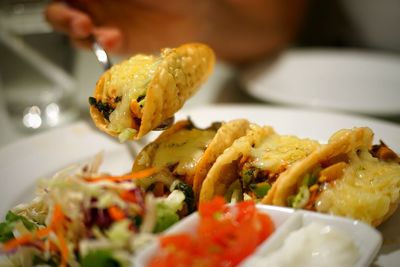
(110, 39)
(68, 20)
(79, 26)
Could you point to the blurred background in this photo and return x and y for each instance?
(45, 82)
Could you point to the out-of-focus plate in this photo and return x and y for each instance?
(22, 163)
(349, 80)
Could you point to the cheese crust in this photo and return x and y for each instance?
(189, 152)
(262, 150)
(367, 188)
(145, 90)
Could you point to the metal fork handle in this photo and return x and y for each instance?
(100, 53)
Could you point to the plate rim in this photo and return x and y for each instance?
(209, 108)
(252, 85)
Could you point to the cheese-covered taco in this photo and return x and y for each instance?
(186, 153)
(253, 163)
(346, 177)
(135, 96)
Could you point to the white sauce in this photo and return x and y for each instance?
(314, 245)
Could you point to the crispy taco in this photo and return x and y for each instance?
(253, 163)
(346, 177)
(135, 96)
(186, 153)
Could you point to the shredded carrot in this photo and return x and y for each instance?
(58, 216)
(334, 171)
(116, 213)
(128, 196)
(56, 226)
(26, 239)
(63, 248)
(311, 201)
(131, 176)
(16, 242)
(42, 232)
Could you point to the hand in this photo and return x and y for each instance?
(238, 30)
(78, 25)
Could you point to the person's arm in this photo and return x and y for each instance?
(238, 30)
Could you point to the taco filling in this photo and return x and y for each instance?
(176, 156)
(259, 169)
(124, 93)
(362, 184)
(183, 150)
(137, 95)
(163, 184)
(179, 151)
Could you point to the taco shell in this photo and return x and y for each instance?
(135, 96)
(366, 188)
(189, 152)
(224, 171)
(253, 163)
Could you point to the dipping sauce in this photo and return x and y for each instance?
(224, 237)
(316, 245)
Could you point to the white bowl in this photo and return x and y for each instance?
(367, 239)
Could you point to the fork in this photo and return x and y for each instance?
(106, 64)
(100, 53)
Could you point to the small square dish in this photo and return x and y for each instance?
(361, 241)
(333, 240)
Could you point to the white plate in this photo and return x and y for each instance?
(366, 239)
(349, 80)
(23, 162)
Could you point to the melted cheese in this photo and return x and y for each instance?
(128, 80)
(365, 191)
(276, 152)
(185, 149)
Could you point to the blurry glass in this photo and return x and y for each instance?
(35, 64)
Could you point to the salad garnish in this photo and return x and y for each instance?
(81, 217)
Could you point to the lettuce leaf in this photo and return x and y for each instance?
(166, 210)
(100, 258)
(6, 227)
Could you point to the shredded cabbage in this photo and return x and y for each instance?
(102, 219)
